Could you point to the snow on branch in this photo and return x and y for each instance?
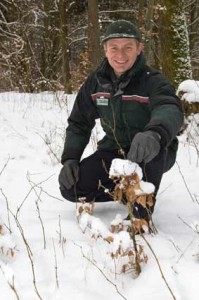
(189, 89)
(129, 186)
(121, 235)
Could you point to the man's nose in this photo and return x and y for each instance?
(120, 52)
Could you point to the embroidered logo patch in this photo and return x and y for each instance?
(102, 101)
(101, 98)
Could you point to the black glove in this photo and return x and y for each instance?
(144, 147)
(69, 174)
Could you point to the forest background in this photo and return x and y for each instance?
(50, 45)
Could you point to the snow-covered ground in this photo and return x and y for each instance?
(46, 255)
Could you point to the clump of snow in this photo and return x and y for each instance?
(191, 97)
(189, 86)
(147, 187)
(190, 90)
(117, 220)
(124, 167)
(97, 227)
(122, 241)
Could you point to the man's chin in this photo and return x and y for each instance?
(120, 70)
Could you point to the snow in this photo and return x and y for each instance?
(54, 257)
(190, 90)
(124, 167)
(147, 187)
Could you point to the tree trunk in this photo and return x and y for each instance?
(174, 42)
(148, 30)
(64, 47)
(193, 9)
(141, 13)
(94, 52)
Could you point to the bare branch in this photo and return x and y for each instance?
(160, 269)
(42, 225)
(188, 190)
(8, 210)
(100, 270)
(56, 268)
(5, 166)
(29, 252)
(11, 285)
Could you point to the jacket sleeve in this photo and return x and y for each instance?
(166, 109)
(80, 124)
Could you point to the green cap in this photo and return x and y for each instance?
(121, 29)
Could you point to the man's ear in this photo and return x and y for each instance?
(105, 48)
(140, 48)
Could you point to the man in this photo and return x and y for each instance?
(140, 115)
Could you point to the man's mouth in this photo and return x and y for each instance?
(120, 62)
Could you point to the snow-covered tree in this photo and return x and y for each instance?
(174, 41)
(192, 9)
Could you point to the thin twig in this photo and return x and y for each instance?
(188, 190)
(32, 189)
(8, 210)
(60, 231)
(38, 211)
(158, 263)
(100, 270)
(56, 268)
(34, 185)
(185, 250)
(188, 225)
(132, 235)
(30, 254)
(51, 196)
(4, 166)
(41, 222)
(11, 285)
(62, 240)
(49, 147)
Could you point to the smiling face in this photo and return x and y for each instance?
(122, 53)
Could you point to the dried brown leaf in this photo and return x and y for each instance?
(150, 200)
(130, 253)
(130, 194)
(81, 209)
(123, 270)
(139, 224)
(141, 200)
(113, 228)
(109, 239)
(117, 193)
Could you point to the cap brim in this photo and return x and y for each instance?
(119, 35)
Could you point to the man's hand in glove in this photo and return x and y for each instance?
(144, 147)
(69, 174)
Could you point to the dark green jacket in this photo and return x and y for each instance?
(141, 99)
